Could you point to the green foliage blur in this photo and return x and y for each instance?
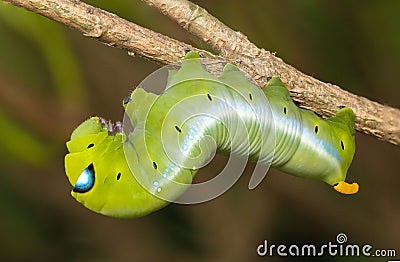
(52, 78)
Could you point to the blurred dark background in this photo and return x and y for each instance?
(52, 78)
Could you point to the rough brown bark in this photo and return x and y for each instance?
(372, 118)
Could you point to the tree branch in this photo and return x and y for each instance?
(325, 99)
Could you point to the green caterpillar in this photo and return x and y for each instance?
(175, 133)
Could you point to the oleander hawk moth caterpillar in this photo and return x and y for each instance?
(131, 174)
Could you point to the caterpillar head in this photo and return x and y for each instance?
(97, 170)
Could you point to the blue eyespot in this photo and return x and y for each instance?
(85, 181)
